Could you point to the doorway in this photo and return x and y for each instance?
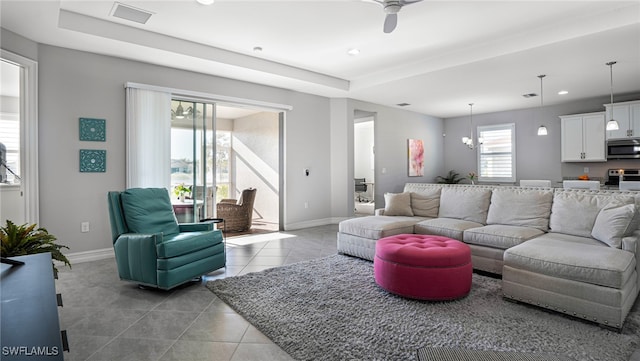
(18, 139)
(364, 163)
(217, 151)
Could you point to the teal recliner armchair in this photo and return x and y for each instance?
(151, 248)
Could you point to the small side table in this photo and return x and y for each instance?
(224, 227)
(216, 221)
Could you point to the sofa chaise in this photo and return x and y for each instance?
(573, 251)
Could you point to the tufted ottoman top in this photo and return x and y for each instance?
(423, 250)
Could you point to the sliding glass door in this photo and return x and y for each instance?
(193, 152)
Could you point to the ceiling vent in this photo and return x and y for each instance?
(403, 104)
(130, 13)
(530, 95)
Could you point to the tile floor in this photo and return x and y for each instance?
(109, 319)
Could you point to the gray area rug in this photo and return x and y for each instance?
(453, 354)
(332, 309)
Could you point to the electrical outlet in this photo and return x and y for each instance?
(586, 170)
(306, 205)
(84, 227)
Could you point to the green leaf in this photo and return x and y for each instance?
(27, 239)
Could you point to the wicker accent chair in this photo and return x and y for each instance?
(238, 214)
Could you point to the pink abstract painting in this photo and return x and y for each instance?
(416, 158)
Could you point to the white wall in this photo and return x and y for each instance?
(393, 127)
(363, 150)
(537, 157)
(255, 145)
(77, 84)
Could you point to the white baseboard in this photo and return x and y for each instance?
(88, 256)
(308, 224)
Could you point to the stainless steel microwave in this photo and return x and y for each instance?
(623, 148)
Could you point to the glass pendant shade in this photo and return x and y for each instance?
(542, 130)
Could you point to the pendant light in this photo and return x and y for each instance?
(542, 130)
(612, 124)
(468, 141)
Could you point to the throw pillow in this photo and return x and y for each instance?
(397, 204)
(612, 223)
(425, 204)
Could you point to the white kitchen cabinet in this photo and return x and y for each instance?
(583, 137)
(628, 116)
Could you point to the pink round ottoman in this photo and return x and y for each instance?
(423, 267)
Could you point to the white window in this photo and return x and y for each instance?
(497, 153)
(10, 123)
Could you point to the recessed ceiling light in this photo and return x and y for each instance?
(403, 104)
(353, 51)
(205, 2)
(257, 49)
(563, 92)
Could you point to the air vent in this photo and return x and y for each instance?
(130, 13)
(530, 95)
(402, 104)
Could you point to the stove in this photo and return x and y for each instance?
(628, 175)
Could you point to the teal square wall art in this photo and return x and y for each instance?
(93, 129)
(92, 160)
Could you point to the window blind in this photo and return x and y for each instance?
(496, 154)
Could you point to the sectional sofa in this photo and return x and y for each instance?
(572, 251)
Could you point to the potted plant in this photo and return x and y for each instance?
(472, 177)
(451, 178)
(27, 239)
(181, 191)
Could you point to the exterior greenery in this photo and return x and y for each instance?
(26, 239)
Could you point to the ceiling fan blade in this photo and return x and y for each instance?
(390, 22)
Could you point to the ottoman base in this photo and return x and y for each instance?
(430, 284)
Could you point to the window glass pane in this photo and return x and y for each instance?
(10, 123)
(223, 163)
(496, 156)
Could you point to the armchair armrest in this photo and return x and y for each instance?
(195, 227)
(228, 200)
(136, 257)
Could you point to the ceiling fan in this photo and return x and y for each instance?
(391, 8)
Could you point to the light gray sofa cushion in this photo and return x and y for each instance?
(571, 238)
(613, 222)
(448, 227)
(499, 236)
(466, 203)
(521, 207)
(376, 227)
(594, 264)
(397, 204)
(426, 203)
(576, 212)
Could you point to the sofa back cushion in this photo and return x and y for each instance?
(426, 203)
(466, 203)
(575, 212)
(521, 207)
